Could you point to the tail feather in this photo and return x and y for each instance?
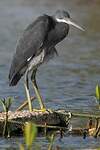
(14, 80)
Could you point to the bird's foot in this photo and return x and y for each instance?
(40, 110)
(43, 110)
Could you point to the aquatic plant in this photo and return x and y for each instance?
(30, 132)
(6, 104)
(98, 93)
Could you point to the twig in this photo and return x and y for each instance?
(24, 104)
(83, 115)
(52, 127)
(97, 132)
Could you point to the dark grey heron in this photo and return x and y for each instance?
(37, 45)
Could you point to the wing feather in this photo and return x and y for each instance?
(29, 44)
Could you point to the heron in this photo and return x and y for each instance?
(36, 46)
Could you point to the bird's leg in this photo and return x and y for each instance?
(26, 84)
(33, 79)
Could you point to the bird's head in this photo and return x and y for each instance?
(64, 17)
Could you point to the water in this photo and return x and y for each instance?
(68, 81)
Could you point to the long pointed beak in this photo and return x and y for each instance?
(70, 22)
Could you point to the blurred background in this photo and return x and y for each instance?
(75, 72)
(69, 80)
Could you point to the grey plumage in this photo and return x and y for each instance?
(36, 46)
(34, 39)
(27, 47)
(42, 34)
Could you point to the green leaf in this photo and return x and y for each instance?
(30, 132)
(8, 102)
(98, 92)
(21, 147)
(2, 102)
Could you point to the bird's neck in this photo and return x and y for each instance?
(57, 32)
(61, 31)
